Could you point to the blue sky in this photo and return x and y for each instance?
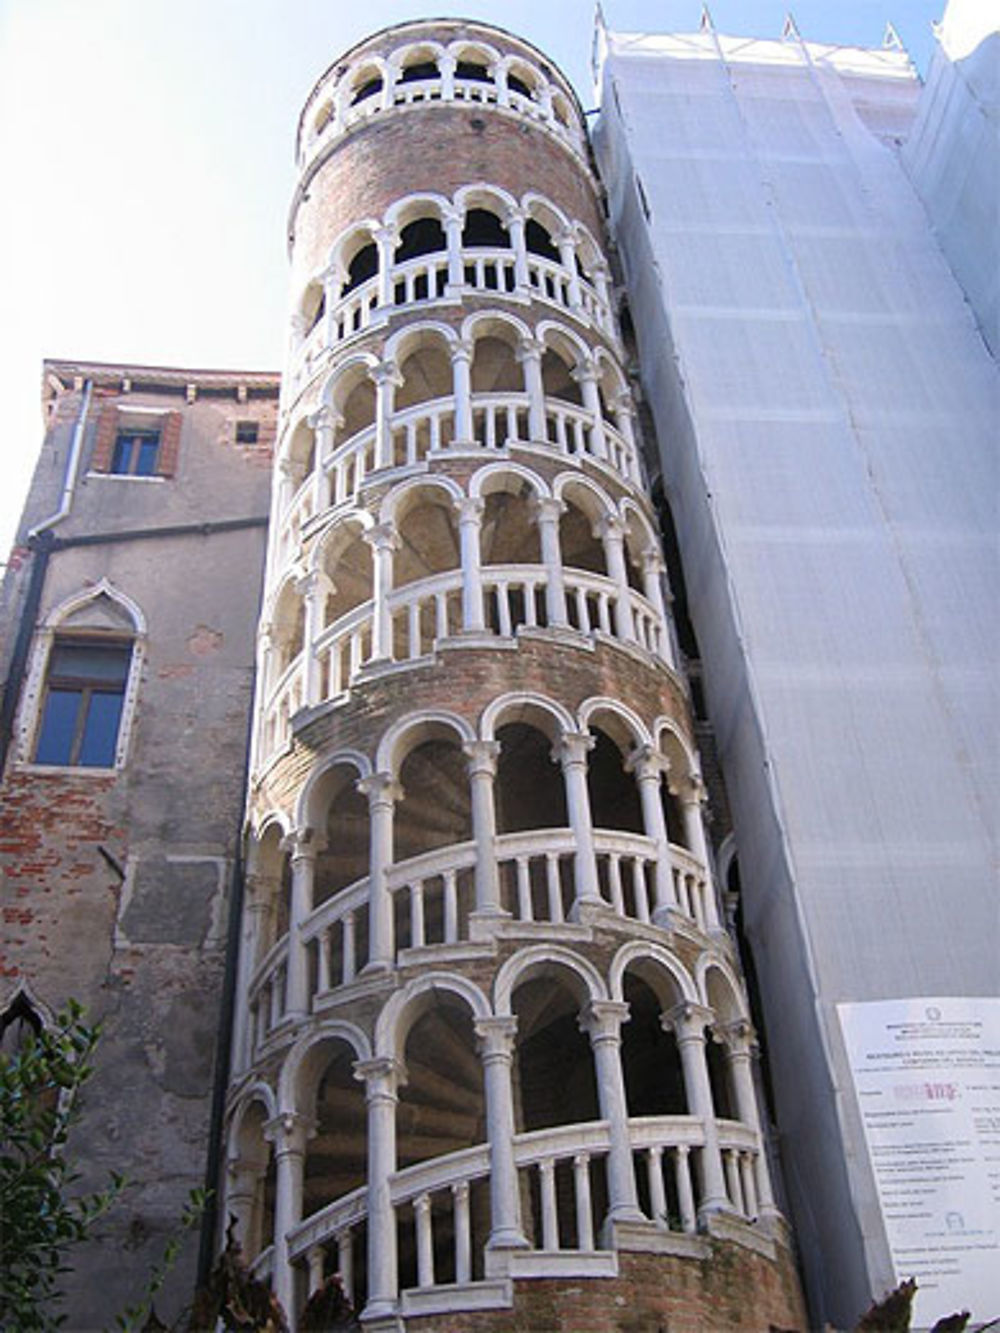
(146, 158)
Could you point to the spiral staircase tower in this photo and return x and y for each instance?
(490, 1032)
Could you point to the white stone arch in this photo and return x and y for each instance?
(639, 528)
(336, 536)
(260, 827)
(597, 503)
(421, 46)
(308, 813)
(399, 499)
(526, 706)
(302, 1062)
(541, 960)
(298, 442)
(345, 376)
(610, 374)
(558, 337)
(483, 194)
(545, 212)
(101, 608)
(71, 606)
(345, 247)
(404, 1007)
(725, 857)
(493, 322)
(413, 206)
(482, 482)
(625, 727)
(406, 339)
(672, 742)
(464, 47)
(367, 69)
(588, 249)
(408, 732)
(260, 1093)
(638, 951)
(728, 990)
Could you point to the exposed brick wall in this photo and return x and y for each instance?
(170, 443)
(733, 1290)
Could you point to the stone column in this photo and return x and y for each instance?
(302, 846)
(461, 365)
(470, 513)
(566, 242)
(288, 1132)
(382, 791)
(688, 1022)
(482, 756)
(314, 588)
(692, 795)
(649, 765)
(258, 893)
(381, 1078)
(446, 64)
(385, 239)
(602, 1020)
(547, 513)
(586, 377)
(290, 476)
(323, 423)
(599, 277)
(571, 752)
(452, 220)
(383, 539)
(499, 73)
(738, 1039)
(516, 221)
(611, 531)
(387, 380)
(496, 1050)
(529, 353)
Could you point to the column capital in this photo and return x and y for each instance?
(572, 748)
(515, 213)
(380, 788)
(652, 561)
(460, 350)
(289, 1131)
(482, 757)
(547, 508)
(687, 1021)
(386, 372)
(529, 349)
(691, 789)
(602, 1020)
(447, 61)
(469, 509)
(647, 763)
(738, 1037)
(385, 235)
(313, 581)
(585, 373)
(325, 418)
(382, 537)
(288, 467)
(452, 215)
(495, 1038)
(382, 1076)
(302, 844)
(611, 526)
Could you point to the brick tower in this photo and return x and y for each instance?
(492, 1046)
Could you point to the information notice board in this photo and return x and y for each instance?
(927, 1077)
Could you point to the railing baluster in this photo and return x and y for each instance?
(584, 1213)
(657, 1193)
(435, 427)
(561, 440)
(639, 889)
(697, 887)
(323, 961)
(528, 593)
(554, 886)
(490, 426)
(450, 906)
(349, 947)
(733, 1179)
(417, 940)
(685, 1191)
(277, 987)
(615, 882)
(503, 607)
(425, 1240)
(583, 610)
(441, 615)
(604, 612)
(749, 1184)
(550, 1216)
(524, 911)
(345, 1262)
(463, 1232)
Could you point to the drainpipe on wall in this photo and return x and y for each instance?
(72, 467)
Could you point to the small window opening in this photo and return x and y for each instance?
(472, 69)
(246, 432)
(517, 85)
(320, 312)
(368, 89)
(20, 1022)
(82, 708)
(425, 236)
(363, 266)
(422, 69)
(135, 453)
(483, 228)
(539, 241)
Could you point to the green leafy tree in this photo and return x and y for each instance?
(40, 1221)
